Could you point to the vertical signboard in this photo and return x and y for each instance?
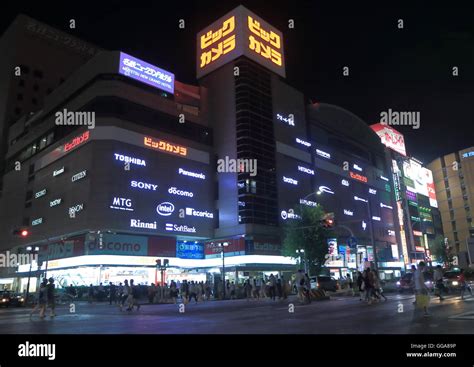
(239, 32)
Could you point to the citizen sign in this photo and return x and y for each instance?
(78, 176)
(165, 209)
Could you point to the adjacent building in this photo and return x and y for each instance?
(454, 183)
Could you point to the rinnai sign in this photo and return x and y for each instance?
(165, 146)
(358, 177)
(239, 32)
(78, 140)
(146, 73)
(390, 137)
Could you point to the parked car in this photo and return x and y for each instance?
(8, 299)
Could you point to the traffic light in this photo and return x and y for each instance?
(328, 220)
(21, 232)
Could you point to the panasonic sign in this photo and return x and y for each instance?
(165, 209)
(143, 185)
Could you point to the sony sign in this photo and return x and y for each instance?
(143, 185)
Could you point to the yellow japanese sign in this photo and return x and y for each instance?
(238, 33)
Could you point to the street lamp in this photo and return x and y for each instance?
(223, 245)
(30, 250)
(300, 252)
(371, 228)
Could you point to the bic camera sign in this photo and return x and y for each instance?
(239, 32)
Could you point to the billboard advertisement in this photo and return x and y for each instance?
(422, 179)
(239, 32)
(390, 137)
(144, 72)
(189, 250)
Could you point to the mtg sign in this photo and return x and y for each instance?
(239, 32)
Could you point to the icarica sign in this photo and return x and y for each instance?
(146, 73)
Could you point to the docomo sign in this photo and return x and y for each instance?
(78, 140)
(146, 73)
(239, 32)
(165, 146)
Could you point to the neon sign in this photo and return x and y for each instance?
(78, 140)
(372, 191)
(323, 154)
(40, 193)
(146, 73)
(357, 167)
(197, 213)
(165, 146)
(303, 142)
(308, 202)
(290, 120)
(358, 177)
(325, 189)
(265, 50)
(224, 39)
(55, 202)
(143, 185)
(306, 170)
(175, 191)
(378, 219)
(179, 228)
(290, 214)
(348, 212)
(468, 154)
(181, 171)
(58, 172)
(79, 176)
(290, 180)
(137, 223)
(382, 205)
(165, 209)
(126, 159)
(239, 32)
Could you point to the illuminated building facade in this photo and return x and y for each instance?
(136, 181)
(416, 205)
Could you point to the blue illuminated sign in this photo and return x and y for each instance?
(468, 154)
(189, 250)
(146, 73)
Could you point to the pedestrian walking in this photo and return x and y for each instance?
(438, 281)
(151, 293)
(133, 296)
(422, 297)
(307, 289)
(378, 286)
(90, 294)
(248, 289)
(279, 288)
(464, 285)
(125, 294)
(50, 296)
(351, 284)
(360, 284)
(299, 283)
(255, 293)
(272, 286)
(41, 300)
(232, 290)
(173, 291)
(112, 293)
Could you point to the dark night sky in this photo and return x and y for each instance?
(405, 70)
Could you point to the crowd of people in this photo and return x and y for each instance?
(369, 286)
